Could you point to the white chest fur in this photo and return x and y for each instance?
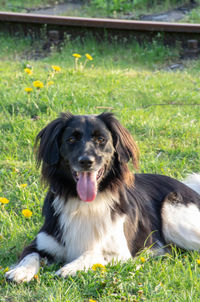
(88, 226)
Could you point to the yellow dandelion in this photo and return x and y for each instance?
(28, 71)
(23, 185)
(91, 300)
(50, 83)
(76, 55)
(4, 200)
(6, 269)
(56, 68)
(28, 89)
(198, 261)
(36, 277)
(27, 213)
(143, 259)
(98, 266)
(1, 237)
(89, 57)
(38, 84)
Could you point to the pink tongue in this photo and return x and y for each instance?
(87, 186)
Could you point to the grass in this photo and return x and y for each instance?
(156, 105)
(121, 9)
(20, 5)
(193, 16)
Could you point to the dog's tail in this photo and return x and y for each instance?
(193, 181)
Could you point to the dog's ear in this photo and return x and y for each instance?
(47, 140)
(124, 144)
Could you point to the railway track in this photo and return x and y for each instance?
(32, 23)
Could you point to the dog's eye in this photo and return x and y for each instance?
(71, 139)
(99, 139)
(75, 137)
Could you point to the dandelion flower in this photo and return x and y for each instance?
(28, 71)
(28, 89)
(89, 57)
(38, 84)
(4, 200)
(76, 55)
(91, 300)
(198, 261)
(27, 213)
(36, 277)
(98, 266)
(56, 68)
(50, 83)
(23, 185)
(143, 259)
(6, 269)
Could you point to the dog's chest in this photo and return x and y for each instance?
(89, 226)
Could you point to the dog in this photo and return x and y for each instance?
(96, 210)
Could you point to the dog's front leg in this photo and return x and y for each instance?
(84, 262)
(25, 270)
(28, 265)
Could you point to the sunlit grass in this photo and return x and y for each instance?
(161, 110)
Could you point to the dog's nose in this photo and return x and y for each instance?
(86, 161)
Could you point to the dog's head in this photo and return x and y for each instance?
(89, 152)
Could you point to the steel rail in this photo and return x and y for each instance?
(115, 24)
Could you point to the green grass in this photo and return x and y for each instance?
(117, 8)
(21, 5)
(134, 9)
(157, 106)
(193, 16)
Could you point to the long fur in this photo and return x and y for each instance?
(129, 212)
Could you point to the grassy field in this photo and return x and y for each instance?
(160, 108)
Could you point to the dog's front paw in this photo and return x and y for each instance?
(20, 274)
(68, 270)
(25, 270)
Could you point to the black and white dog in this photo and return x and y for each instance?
(96, 210)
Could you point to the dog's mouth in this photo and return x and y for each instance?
(87, 183)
